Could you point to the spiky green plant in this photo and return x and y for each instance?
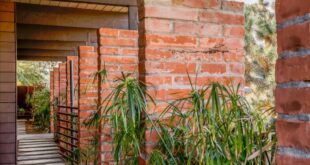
(122, 110)
(213, 125)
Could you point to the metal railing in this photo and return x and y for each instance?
(66, 125)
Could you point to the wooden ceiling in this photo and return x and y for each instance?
(51, 30)
(79, 5)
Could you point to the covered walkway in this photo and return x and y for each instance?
(36, 149)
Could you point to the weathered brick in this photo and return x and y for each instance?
(199, 3)
(289, 160)
(293, 134)
(220, 17)
(169, 67)
(170, 12)
(211, 42)
(233, 57)
(287, 9)
(117, 42)
(120, 60)
(198, 29)
(232, 6)
(213, 68)
(292, 100)
(234, 31)
(286, 69)
(236, 68)
(106, 32)
(294, 37)
(158, 25)
(157, 79)
(156, 54)
(170, 41)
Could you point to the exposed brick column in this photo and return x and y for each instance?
(63, 100)
(189, 36)
(88, 91)
(51, 101)
(118, 53)
(74, 59)
(292, 76)
(63, 84)
(7, 83)
(55, 94)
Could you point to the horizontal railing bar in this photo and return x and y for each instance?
(67, 136)
(67, 107)
(67, 121)
(68, 143)
(67, 114)
(67, 128)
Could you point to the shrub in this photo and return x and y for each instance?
(40, 101)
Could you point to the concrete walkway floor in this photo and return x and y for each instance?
(37, 149)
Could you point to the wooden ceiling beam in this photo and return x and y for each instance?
(49, 45)
(70, 17)
(53, 33)
(45, 53)
(109, 2)
(39, 58)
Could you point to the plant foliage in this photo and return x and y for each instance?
(213, 125)
(40, 101)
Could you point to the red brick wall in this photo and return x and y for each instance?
(75, 61)
(63, 100)
(292, 76)
(55, 95)
(56, 82)
(52, 100)
(88, 90)
(7, 83)
(189, 37)
(118, 53)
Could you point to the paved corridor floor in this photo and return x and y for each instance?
(37, 149)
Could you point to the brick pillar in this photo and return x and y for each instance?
(51, 101)
(88, 91)
(189, 36)
(293, 87)
(75, 77)
(55, 94)
(63, 101)
(118, 53)
(7, 83)
(63, 84)
(74, 59)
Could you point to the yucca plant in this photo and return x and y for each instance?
(122, 110)
(213, 125)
